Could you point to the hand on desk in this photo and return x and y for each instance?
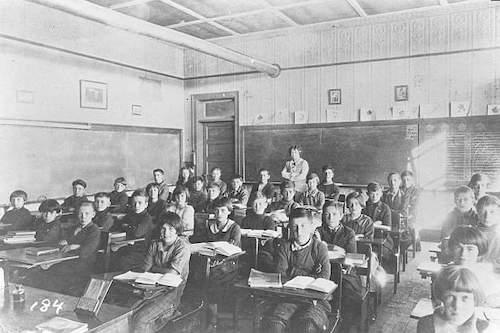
(359, 236)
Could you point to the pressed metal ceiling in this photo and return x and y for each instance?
(209, 19)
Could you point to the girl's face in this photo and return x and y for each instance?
(17, 202)
(222, 213)
(49, 216)
(185, 174)
(394, 181)
(312, 184)
(464, 202)
(198, 185)
(181, 197)
(168, 234)
(354, 207)
(119, 187)
(459, 307)
(407, 181)
(329, 174)
(213, 193)
(78, 190)
(294, 154)
(479, 188)
(153, 192)
(465, 254)
(490, 215)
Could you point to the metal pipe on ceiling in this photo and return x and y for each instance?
(118, 20)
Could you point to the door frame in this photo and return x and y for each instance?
(197, 128)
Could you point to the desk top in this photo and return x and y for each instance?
(60, 305)
(299, 295)
(423, 308)
(20, 256)
(429, 267)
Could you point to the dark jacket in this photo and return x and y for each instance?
(267, 191)
(20, 219)
(343, 236)
(104, 220)
(119, 200)
(48, 232)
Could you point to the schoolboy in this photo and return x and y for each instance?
(332, 232)
(18, 218)
(263, 187)
(312, 196)
(137, 224)
(72, 203)
(287, 202)
(464, 212)
(159, 178)
(238, 194)
(355, 219)
(216, 174)
(393, 197)
(213, 196)
(170, 253)
(103, 217)
(488, 209)
(328, 187)
(118, 197)
(303, 255)
(48, 226)
(410, 195)
(156, 206)
(198, 196)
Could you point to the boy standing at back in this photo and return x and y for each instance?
(159, 178)
(19, 218)
(72, 203)
(119, 197)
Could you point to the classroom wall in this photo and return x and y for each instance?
(52, 77)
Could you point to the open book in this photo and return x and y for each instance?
(62, 325)
(258, 279)
(260, 233)
(355, 259)
(168, 279)
(213, 248)
(307, 282)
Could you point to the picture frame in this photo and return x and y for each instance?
(401, 93)
(334, 96)
(93, 95)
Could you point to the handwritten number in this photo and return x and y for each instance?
(45, 305)
(58, 305)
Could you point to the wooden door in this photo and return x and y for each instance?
(219, 148)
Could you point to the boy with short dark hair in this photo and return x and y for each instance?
(312, 196)
(18, 218)
(238, 194)
(198, 196)
(287, 189)
(214, 195)
(263, 187)
(159, 178)
(48, 226)
(103, 218)
(332, 231)
(464, 212)
(375, 208)
(216, 174)
(119, 197)
(72, 203)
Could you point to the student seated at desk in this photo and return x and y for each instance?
(18, 218)
(488, 209)
(380, 214)
(137, 224)
(355, 219)
(287, 203)
(185, 178)
(159, 179)
(464, 212)
(48, 225)
(215, 174)
(181, 208)
(328, 187)
(479, 183)
(263, 187)
(410, 196)
(213, 197)
(198, 195)
(169, 253)
(332, 232)
(72, 203)
(220, 229)
(156, 206)
(303, 255)
(119, 197)
(457, 293)
(394, 198)
(103, 218)
(312, 196)
(237, 193)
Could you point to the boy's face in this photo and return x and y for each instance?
(236, 183)
(490, 215)
(17, 202)
(181, 197)
(354, 207)
(101, 203)
(465, 254)
(264, 176)
(312, 183)
(288, 194)
(216, 174)
(222, 213)
(153, 192)
(407, 181)
(86, 214)
(168, 234)
(464, 202)
(479, 187)
(375, 196)
(78, 190)
(332, 216)
(139, 203)
(394, 181)
(259, 206)
(301, 229)
(459, 306)
(329, 174)
(119, 187)
(158, 176)
(49, 216)
(198, 185)
(213, 193)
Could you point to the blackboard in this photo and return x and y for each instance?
(44, 161)
(359, 152)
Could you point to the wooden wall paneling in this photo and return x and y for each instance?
(362, 37)
(363, 94)
(482, 27)
(419, 36)
(344, 44)
(418, 83)
(380, 40)
(483, 79)
(312, 94)
(460, 69)
(345, 81)
(296, 92)
(189, 63)
(282, 112)
(496, 25)
(327, 75)
(460, 36)
(399, 39)
(381, 89)
(439, 85)
(328, 46)
(439, 33)
(399, 75)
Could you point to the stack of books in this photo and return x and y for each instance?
(213, 248)
(62, 325)
(41, 251)
(258, 279)
(307, 282)
(19, 237)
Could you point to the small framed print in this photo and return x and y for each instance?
(137, 110)
(400, 93)
(93, 95)
(334, 96)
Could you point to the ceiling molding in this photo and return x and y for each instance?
(129, 3)
(356, 6)
(444, 2)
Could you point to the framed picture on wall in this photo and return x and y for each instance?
(334, 96)
(400, 93)
(93, 95)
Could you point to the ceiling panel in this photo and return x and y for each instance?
(107, 3)
(203, 30)
(213, 8)
(285, 2)
(157, 12)
(373, 7)
(320, 12)
(254, 23)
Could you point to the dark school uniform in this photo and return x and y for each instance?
(314, 198)
(340, 236)
(266, 247)
(104, 219)
(288, 206)
(363, 225)
(153, 314)
(456, 218)
(198, 200)
(48, 232)
(72, 203)
(163, 191)
(222, 186)
(19, 219)
(119, 200)
(155, 209)
(331, 191)
(239, 196)
(381, 212)
(267, 190)
(294, 260)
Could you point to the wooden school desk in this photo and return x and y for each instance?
(42, 305)
(257, 240)
(19, 258)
